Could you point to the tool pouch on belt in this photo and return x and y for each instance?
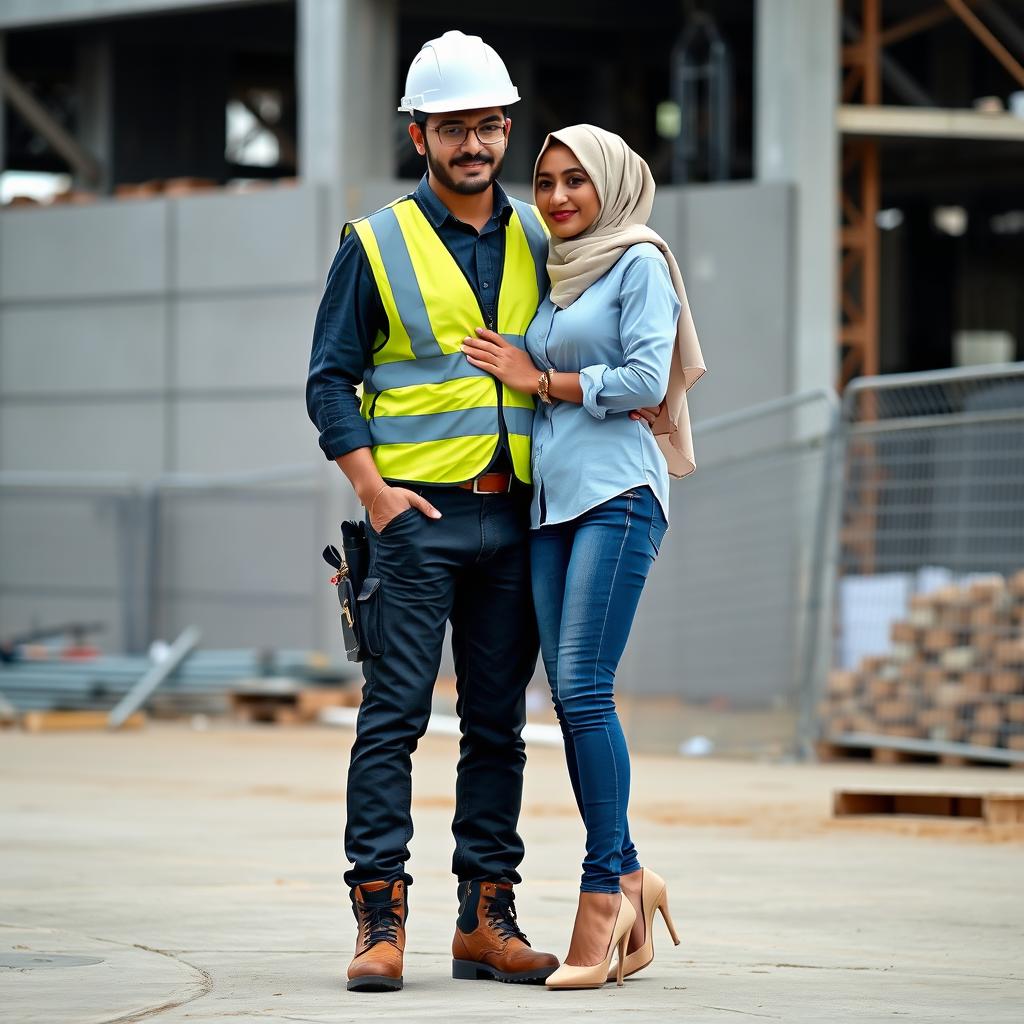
(351, 571)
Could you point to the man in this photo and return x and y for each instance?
(439, 453)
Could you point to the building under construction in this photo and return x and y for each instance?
(843, 184)
(895, 127)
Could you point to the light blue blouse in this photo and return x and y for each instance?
(618, 335)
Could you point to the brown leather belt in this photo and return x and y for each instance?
(489, 483)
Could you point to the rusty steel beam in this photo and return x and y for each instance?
(39, 118)
(1004, 24)
(872, 27)
(988, 40)
(893, 74)
(859, 197)
(918, 23)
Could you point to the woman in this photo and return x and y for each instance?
(607, 340)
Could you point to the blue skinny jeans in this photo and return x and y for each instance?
(587, 576)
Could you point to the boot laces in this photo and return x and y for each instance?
(381, 921)
(501, 913)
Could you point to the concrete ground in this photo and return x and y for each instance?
(180, 875)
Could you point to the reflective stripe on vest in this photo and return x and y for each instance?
(433, 417)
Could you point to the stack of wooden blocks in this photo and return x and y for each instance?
(287, 702)
(954, 671)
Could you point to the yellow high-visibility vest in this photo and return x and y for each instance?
(433, 417)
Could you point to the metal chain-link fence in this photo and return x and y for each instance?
(72, 554)
(138, 561)
(240, 556)
(727, 642)
(916, 600)
(723, 652)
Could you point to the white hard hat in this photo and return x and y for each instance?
(457, 72)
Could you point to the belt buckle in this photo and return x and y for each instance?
(476, 484)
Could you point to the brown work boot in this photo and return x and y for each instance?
(488, 942)
(380, 911)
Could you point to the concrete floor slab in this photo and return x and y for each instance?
(203, 870)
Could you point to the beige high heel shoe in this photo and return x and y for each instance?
(653, 896)
(570, 976)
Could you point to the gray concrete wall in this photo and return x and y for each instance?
(172, 336)
(159, 335)
(734, 243)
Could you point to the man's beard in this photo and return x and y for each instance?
(470, 186)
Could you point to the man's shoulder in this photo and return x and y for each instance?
(369, 217)
(529, 217)
(519, 205)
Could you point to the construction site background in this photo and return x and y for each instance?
(824, 689)
(158, 472)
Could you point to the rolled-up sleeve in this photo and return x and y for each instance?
(649, 310)
(347, 323)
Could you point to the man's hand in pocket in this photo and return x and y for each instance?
(391, 502)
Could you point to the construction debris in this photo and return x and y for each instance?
(200, 683)
(141, 691)
(286, 701)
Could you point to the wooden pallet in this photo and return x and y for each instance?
(992, 808)
(950, 755)
(284, 703)
(66, 721)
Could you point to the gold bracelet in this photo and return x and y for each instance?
(544, 386)
(383, 488)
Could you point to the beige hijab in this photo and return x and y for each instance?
(625, 187)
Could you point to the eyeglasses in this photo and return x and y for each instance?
(489, 134)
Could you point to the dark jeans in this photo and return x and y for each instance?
(588, 575)
(471, 568)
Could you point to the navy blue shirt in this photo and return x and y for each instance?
(351, 315)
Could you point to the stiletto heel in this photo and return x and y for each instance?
(653, 896)
(663, 907)
(595, 975)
